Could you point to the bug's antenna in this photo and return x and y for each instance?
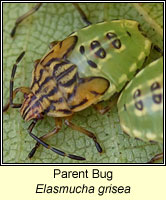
(59, 152)
(21, 18)
(12, 77)
(84, 17)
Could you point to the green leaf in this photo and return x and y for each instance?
(55, 21)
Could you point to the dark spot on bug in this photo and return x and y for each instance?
(137, 93)
(155, 86)
(128, 33)
(157, 98)
(101, 53)
(92, 64)
(94, 44)
(139, 105)
(116, 44)
(111, 35)
(82, 49)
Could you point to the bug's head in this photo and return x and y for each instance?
(31, 108)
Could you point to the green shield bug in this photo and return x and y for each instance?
(140, 105)
(90, 52)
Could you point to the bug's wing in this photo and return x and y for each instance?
(60, 50)
(46, 90)
(88, 92)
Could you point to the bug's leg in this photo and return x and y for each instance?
(38, 140)
(101, 109)
(104, 109)
(21, 18)
(156, 157)
(12, 82)
(58, 124)
(24, 90)
(84, 17)
(84, 131)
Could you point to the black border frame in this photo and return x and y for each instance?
(79, 164)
